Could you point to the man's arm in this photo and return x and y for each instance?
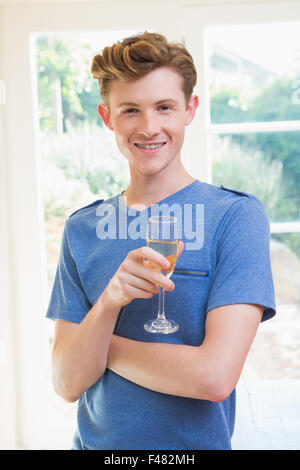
(80, 350)
(209, 371)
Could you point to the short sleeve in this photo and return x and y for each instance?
(68, 300)
(243, 268)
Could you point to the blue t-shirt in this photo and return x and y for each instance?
(226, 261)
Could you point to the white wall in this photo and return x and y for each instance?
(8, 370)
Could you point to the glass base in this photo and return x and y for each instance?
(164, 327)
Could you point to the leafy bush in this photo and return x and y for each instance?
(79, 167)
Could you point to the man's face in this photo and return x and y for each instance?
(149, 117)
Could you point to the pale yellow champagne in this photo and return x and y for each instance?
(167, 249)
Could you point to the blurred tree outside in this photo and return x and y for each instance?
(246, 170)
(255, 162)
(80, 167)
(273, 102)
(68, 94)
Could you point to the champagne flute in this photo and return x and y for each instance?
(161, 236)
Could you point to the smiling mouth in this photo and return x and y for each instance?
(150, 146)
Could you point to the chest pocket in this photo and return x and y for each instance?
(187, 303)
(191, 272)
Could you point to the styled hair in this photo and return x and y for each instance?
(136, 56)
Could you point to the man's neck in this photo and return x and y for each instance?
(145, 191)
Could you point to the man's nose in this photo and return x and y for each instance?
(148, 125)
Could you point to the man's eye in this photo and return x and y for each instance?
(130, 111)
(165, 108)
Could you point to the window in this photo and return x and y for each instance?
(254, 135)
(246, 135)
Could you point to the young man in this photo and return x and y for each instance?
(135, 389)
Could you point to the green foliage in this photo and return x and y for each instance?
(65, 81)
(244, 171)
(273, 102)
(289, 239)
(79, 167)
(227, 107)
(276, 103)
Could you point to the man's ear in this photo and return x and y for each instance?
(191, 109)
(104, 114)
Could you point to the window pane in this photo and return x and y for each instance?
(265, 164)
(275, 353)
(243, 162)
(254, 72)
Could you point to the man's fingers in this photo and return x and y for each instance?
(133, 292)
(153, 255)
(139, 283)
(153, 276)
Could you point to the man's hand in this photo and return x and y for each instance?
(135, 279)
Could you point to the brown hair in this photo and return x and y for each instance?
(138, 55)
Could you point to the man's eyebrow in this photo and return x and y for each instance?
(169, 100)
(126, 104)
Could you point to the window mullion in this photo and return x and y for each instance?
(285, 227)
(251, 127)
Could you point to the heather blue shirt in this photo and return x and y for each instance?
(227, 262)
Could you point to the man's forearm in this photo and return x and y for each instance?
(166, 368)
(80, 360)
(208, 372)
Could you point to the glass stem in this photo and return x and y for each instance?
(161, 304)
